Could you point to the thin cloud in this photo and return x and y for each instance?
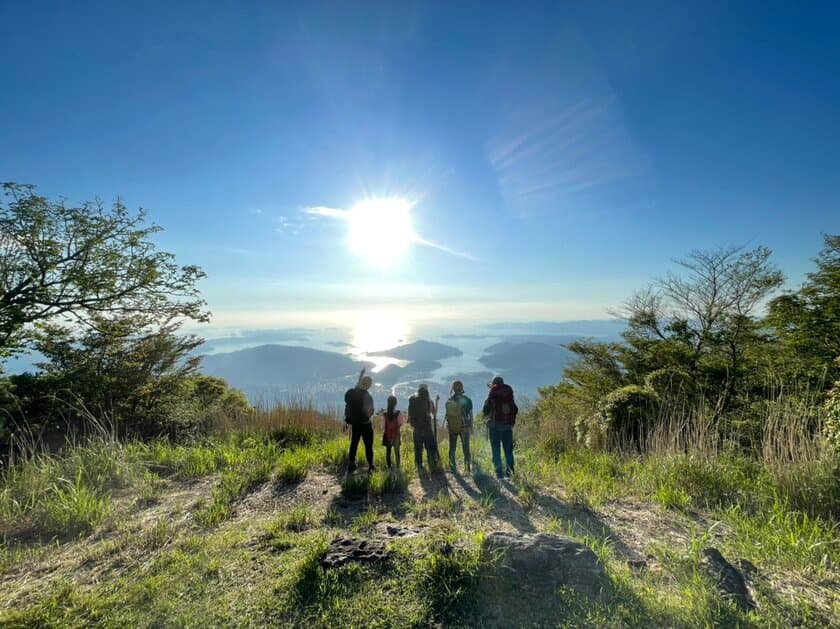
(416, 238)
(323, 210)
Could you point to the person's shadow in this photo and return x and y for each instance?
(502, 505)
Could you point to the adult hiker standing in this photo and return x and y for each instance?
(358, 409)
(421, 410)
(459, 420)
(500, 410)
(390, 422)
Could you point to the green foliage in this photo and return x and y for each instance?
(693, 338)
(671, 383)
(72, 507)
(806, 323)
(832, 419)
(627, 414)
(138, 383)
(294, 465)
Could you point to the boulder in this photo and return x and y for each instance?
(545, 562)
(729, 580)
(343, 550)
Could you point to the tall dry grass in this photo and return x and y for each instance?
(296, 420)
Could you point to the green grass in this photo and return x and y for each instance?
(150, 569)
(234, 483)
(71, 508)
(294, 465)
(440, 505)
(298, 518)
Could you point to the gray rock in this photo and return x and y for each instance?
(545, 562)
(728, 579)
(391, 530)
(343, 550)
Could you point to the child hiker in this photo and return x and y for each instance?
(390, 423)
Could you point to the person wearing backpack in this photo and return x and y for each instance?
(421, 409)
(500, 410)
(459, 419)
(358, 409)
(390, 422)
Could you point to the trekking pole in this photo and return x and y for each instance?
(437, 403)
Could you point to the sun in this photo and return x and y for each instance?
(380, 229)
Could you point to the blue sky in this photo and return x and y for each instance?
(570, 151)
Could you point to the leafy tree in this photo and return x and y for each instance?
(702, 320)
(86, 264)
(806, 323)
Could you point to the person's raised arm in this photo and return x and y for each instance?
(361, 375)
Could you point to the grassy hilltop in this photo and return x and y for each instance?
(229, 530)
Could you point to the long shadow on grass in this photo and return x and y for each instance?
(433, 483)
(356, 497)
(581, 521)
(500, 504)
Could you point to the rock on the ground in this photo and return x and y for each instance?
(391, 530)
(546, 562)
(729, 580)
(343, 550)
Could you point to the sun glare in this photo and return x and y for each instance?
(380, 229)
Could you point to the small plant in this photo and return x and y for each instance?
(388, 482)
(72, 508)
(233, 484)
(148, 486)
(441, 505)
(484, 503)
(294, 465)
(332, 517)
(355, 485)
(366, 520)
(332, 454)
(672, 497)
(297, 519)
(158, 536)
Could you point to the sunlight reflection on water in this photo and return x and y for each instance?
(375, 331)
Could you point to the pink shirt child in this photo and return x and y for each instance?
(394, 437)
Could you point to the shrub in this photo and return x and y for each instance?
(626, 415)
(671, 383)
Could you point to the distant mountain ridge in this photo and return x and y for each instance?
(420, 350)
(279, 365)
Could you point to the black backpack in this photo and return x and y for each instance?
(353, 403)
(419, 413)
